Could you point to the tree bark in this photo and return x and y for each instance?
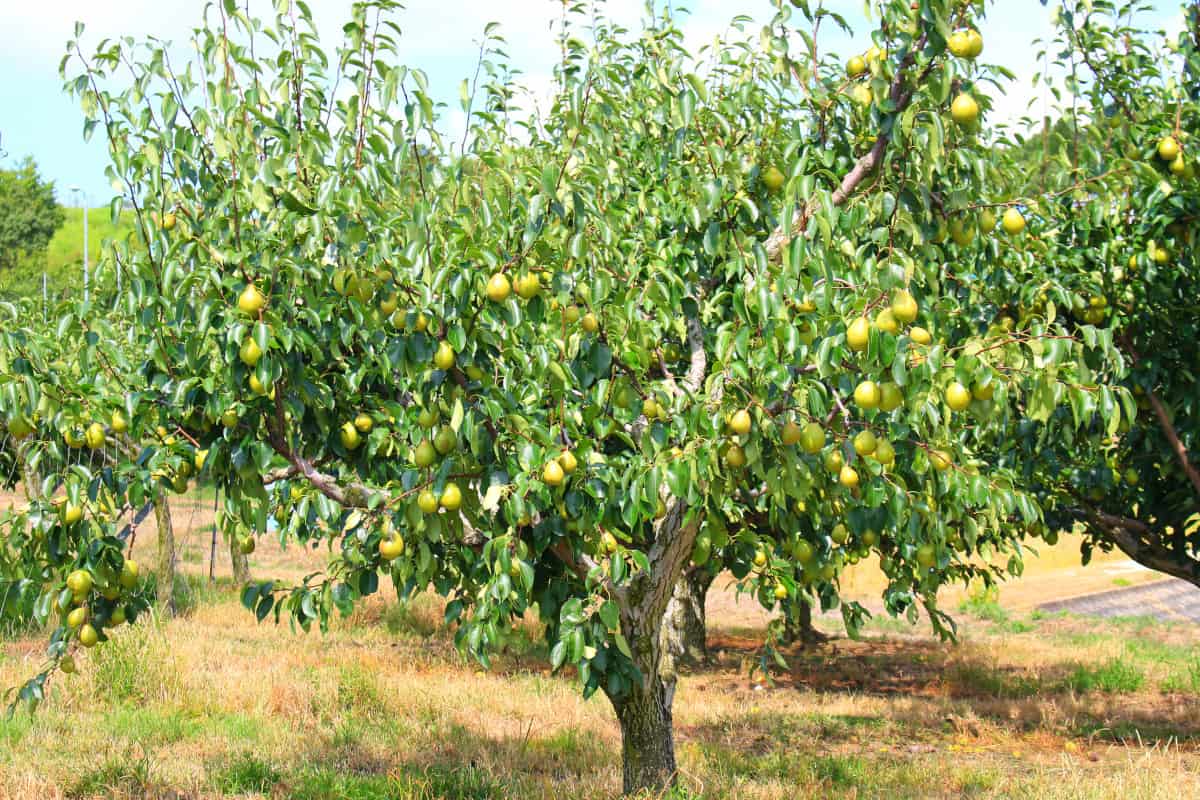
(241, 564)
(799, 628)
(684, 625)
(647, 736)
(31, 479)
(165, 577)
(644, 709)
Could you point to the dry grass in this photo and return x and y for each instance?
(213, 705)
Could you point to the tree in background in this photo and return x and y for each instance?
(1125, 245)
(29, 214)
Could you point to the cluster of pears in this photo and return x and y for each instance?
(426, 453)
(527, 287)
(1170, 151)
(557, 469)
(82, 611)
(94, 436)
(739, 423)
(351, 432)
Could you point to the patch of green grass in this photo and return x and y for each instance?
(1185, 680)
(13, 727)
(149, 726)
(135, 666)
(236, 727)
(63, 260)
(981, 679)
(984, 607)
(122, 776)
(459, 783)
(1115, 676)
(358, 691)
(245, 773)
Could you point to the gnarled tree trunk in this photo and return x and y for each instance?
(684, 625)
(165, 576)
(644, 710)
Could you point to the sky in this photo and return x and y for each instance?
(441, 37)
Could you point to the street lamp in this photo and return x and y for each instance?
(82, 199)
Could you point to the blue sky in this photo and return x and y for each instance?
(37, 119)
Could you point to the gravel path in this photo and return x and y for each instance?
(1169, 600)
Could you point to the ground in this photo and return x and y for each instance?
(211, 704)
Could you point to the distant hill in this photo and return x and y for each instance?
(63, 259)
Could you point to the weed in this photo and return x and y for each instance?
(1115, 676)
(245, 773)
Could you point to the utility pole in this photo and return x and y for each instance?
(83, 206)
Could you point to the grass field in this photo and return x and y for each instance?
(211, 704)
(63, 259)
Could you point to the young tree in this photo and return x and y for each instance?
(29, 214)
(699, 299)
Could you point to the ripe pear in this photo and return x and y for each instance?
(1168, 148)
(734, 456)
(812, 438)
(427, 501)
(118, 423)
(350, 437)
(568, 461)
(886, 321)
(424, 455)
(1013, 222)
(890, 396)
(964, 110)
(791, 433)
(552, 473)
(958, 397)
(498, 288)
(451, 498)
(858, 334)
(855, 66)
(740, 422)
(251, 300)
(867, 395)
(250, 353)
(364, 423)
(904, 306)
(848, 477)
(865, 443)
(920, 335)
(443, 359)
(94, 436)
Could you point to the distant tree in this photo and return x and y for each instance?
(29, 214)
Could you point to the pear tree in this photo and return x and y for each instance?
(728, 300)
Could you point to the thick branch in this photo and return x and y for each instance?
(1136, 540)
(779, 239)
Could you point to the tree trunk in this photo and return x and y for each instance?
(799, 627)
(166, 554)
(684, 624)
(31, 479)
(647, 736)
(241, 564)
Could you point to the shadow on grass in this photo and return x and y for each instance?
(1091, 699)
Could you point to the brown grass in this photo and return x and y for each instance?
(214, 705)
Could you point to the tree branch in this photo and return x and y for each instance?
(900, 98)
(1136, 540)
(1168, 429)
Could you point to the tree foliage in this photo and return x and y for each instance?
(29, 214)
(747, 306)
